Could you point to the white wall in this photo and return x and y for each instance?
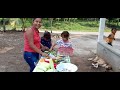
(110, 54)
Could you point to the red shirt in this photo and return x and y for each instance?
(36, 40)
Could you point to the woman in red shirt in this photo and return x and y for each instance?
(32, 46)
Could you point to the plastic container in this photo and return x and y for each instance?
(66, 67)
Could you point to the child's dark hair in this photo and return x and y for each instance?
(113, 29)
(65, 34)
(47, 35)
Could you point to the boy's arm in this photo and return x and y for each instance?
(53, 45)
(109, 36)
(41, 45)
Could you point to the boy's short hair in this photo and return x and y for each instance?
(65, 34)
(113, 29)
(47, 35)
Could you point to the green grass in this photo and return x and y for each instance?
(83, 26)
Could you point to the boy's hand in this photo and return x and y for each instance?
(50, 49)
(46, 48)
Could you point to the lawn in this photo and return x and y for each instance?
(82, 26)
(79, 26)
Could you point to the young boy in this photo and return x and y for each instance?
(111, 36)
(46, 41)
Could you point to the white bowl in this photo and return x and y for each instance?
(66, 67)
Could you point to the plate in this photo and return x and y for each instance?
(66, 67)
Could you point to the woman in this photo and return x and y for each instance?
(32, 46)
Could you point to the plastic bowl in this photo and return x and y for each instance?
(66, 67)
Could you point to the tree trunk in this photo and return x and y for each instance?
(58, 19)
(4, 28)
(23, 24)
(117, 22)
(74, 20)
(51, 22)
(64, 19)
(69, 19)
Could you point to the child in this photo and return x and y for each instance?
(111, 36)
(46, 41)
(64, 45)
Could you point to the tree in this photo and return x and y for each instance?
(51, 22)
(4, 21)
(13, 23)
(23, 23)
(113, 20)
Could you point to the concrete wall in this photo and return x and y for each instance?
(110, 54)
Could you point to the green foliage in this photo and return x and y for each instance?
(76, 24)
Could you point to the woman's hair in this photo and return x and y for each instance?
(33, 19)
(65, 34)
(47, 35)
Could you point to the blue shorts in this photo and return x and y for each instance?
(32, 59)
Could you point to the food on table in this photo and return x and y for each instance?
(42, 60)
(55, 61)
(46, 51)
(40, 67)
(47, 60)
(38, 70)
(47, 57)
(58, 57)
(49, 64)
(46, 65)
(52, 56)
(50, 70)
(55, 65)
(53, 53)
